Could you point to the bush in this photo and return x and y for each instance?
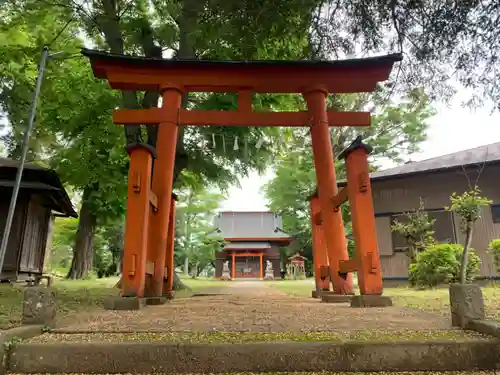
(494, 249)
(439, 264)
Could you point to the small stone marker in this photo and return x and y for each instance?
(226, 273)
(39, 305)
(269, 271)
(466, 303)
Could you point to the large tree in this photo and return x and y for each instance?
(195, 215)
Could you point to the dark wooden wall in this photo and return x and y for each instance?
(28, 237)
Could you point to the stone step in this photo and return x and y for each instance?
(168, 357)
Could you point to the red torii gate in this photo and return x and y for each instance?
(150, 204)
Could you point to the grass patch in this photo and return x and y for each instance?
(73, 296)
(431, 300)
(251, 337)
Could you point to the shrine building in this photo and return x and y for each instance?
(253, 239)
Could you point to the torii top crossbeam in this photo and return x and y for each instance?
(245, 78)
(262, 76)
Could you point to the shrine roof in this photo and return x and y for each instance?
(488, 154)
(297, 256)
(248, 227)
(144, 73)
(247, 245)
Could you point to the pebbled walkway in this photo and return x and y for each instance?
(252, 307)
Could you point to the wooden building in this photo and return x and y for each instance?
(41, 198)
(253, 239)
(398, 190)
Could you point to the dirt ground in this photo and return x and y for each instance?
(253, 307)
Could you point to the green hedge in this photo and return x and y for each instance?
(439, 264)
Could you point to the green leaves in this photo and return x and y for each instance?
(417, 228)
(468, 206)
(440, 263)
(195, 215)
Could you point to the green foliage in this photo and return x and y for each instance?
(63, 239)
(195, 214)
(494, 249)
(440, 264)
(468, 206)
(417, 229)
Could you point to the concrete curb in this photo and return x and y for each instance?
(255, 357)
(9, 335)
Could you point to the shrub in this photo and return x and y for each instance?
(439, 264)
(494, 249)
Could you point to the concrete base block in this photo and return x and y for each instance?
(39, 305)
(466, 303)
(487, 327)
(315, 294)
(155, 301)
(331, 297)
(261, 357)
(371, 301)
(124, 303)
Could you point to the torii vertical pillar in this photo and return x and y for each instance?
(162, 185)
(168, 288)
(324, 163)
(136, 226)
(367, 261)
(320, 258)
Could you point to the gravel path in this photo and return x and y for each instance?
(253, 307)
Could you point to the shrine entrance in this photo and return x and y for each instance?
(150, 208)
(248, 266)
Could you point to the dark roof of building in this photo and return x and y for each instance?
(488, 154)
(249, 225)
(466, 158)
(148, 61)
(38, 179)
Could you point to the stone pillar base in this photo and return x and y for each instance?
(331, 297)
(371, 300)
(315, 294)
(466, 303)
(39, 306)
(155, 301)
(124, 303)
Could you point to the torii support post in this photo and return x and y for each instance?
(168, 290)
(162, 185)
(367, 261)
(136, 228)
(333, 228)
(319, 249)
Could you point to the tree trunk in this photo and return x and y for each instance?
(81, 264)
(198, 270)
(186, 266)
(465, 254)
